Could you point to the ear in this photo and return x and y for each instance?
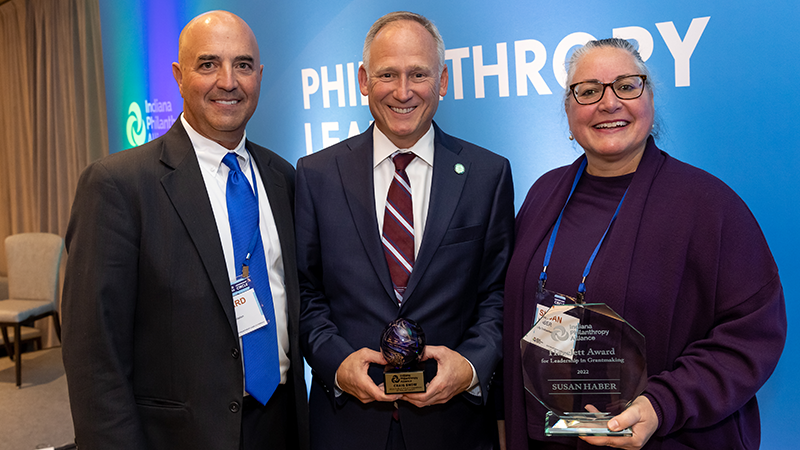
(443, 80)
(362, 80)
(178, 75)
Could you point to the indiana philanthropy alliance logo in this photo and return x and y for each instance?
(135, 127)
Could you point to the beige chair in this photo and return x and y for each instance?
(33, 263)
(30, 335)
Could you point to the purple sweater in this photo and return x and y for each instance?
(688, 266)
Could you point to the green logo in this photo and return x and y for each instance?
(135, 127)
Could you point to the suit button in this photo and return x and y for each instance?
(235, 353)
(234, 407)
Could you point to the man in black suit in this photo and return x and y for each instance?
(463, 227)
(151, 345)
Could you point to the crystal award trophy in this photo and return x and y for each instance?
(402, 343)
(585, 364)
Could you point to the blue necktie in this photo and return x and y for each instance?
(259, 347)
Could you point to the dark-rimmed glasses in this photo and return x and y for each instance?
(627, 87)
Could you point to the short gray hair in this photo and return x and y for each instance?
(403, 15)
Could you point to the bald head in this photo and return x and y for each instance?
(208, 21)
(219, 75)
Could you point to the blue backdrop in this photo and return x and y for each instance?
(724, 93)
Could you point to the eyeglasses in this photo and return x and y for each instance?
(627, 87)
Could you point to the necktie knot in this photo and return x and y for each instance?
(402, 160)
(236, 176)
(232, 163)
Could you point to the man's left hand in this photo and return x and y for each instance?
(640, 417)
(453, 376)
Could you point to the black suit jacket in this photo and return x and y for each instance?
(150, 345)
(455, 291)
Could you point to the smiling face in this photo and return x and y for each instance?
(219, 76)
(612, 132)
(403, 81)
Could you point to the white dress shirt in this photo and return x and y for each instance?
(215, 176)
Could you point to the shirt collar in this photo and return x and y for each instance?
(383, 148)
(210, 153)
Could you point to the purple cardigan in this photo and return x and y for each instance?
(688, 266)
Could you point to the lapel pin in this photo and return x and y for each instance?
(459, 168)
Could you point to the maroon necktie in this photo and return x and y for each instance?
(398, 226)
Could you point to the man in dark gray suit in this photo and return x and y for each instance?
(151, 341)
(356, 277)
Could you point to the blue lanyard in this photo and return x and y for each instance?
(254, 240)
(551, 244)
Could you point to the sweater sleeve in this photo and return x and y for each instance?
(729, 324)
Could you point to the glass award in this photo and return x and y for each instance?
(402, 344)
(585, 364)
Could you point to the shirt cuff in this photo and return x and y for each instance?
(475, 386)
(337, 391)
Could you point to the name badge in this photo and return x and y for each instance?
(555, 332)
(546, 299)
(249, 316)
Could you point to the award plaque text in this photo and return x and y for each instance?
(585, 364)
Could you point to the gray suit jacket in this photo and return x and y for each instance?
(150, 345)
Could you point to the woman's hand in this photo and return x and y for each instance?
(642, 420)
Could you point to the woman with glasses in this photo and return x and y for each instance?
(665, 245)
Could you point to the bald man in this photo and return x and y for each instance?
(152, 348)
